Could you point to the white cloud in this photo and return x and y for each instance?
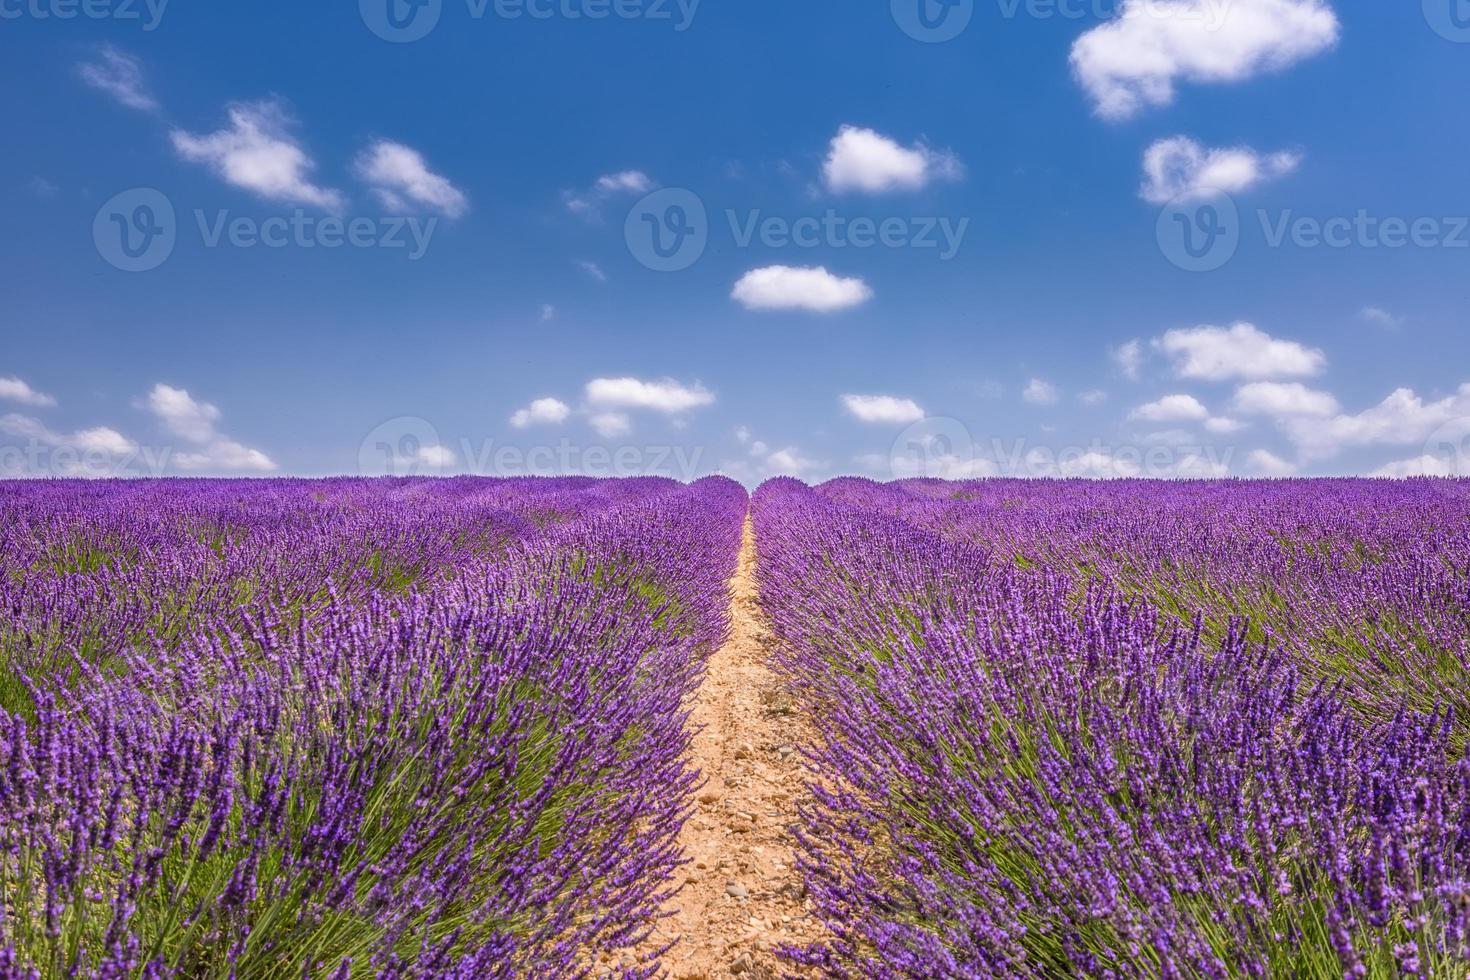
(436, 456)
(258, 153)
(120, 75)
(548, 313)
(781, 287)
(1380, 317)
(933, 462)
(1281, 399)
(1401, 419)
(1038, 392)
(607, 186)
(742, 435)
(863, 160)
(399, 175)
(609, 425)
(626, 182)
(1223, 426)
(1239, 351)
(666, 396)
(592, 269)
(1180, 167)
(789, 462)
(542, 411)
(1136, 60)
(195, 421)
(1129, 359)
(1094, 464)
(1093, 397)
(1266, 463)
(1172, 408)
(1425, 465)
(883, 409)
(89, 452)
(16, 390)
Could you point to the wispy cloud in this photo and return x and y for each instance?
(399, 175)
(119, 75)
(258, 153)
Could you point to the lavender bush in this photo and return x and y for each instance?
(1054, 740)
(348, 728)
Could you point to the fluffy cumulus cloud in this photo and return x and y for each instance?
(1240, 351)
(868, 162)
(196, 422)
(16, 390)
(401, 179)
(882, 409)
(259, 153)
(1138, 59)
(1278, 399)
(1180, 167)
(1172, 408)
(815, 290)
(542, 411)
(120, 76)
(1039, 392)
(1404, 418)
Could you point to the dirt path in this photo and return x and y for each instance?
(742, 894)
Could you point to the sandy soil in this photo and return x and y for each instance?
(742, 894)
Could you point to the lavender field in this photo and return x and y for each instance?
(442, 728)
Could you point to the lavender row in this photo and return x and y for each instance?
(1366, 581)
(1025, 769)
(473, 768)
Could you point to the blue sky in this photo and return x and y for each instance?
(498, 313)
